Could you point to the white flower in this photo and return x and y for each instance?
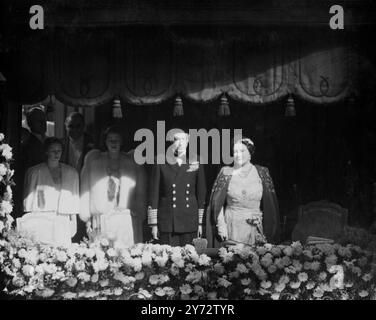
(83, 276)
(104, 283)
(225, 255)
(169, 291)
(46, 293)
(198, 290)
(241, 268)
(18, 282)
(295, 285)
(7, 151)
(288, 251)
(303, 277)
(142, 293)
(95, 278)
(212, 295)
(265, 284)
(28, 270)
(357, 271)
(331, 260)
(6, 207)
(308, 253)
(99, 265)
(310, 285)
(118, 291)
(3, 170)
(280, 287)
(139, 275)
(69, 295)
(272, 268)
(297, 246)
(279, 263)
(2, 137)
(307, 265)
(275, 296)
(219, 268)
(276, 251)
(322, 275)
(315, 266)
(245, 282)
(157, 279)
(126, 280)
(284, 279)
(266, 260)
(223, 282)
(104, 242)
(146, 258)
(79, 265)
(261, 251)
(111, 252)
(61, 256)
(137, 250)
(72, 282)
(204, 260)
(159, 292)
(194, 277)
(367, 277)
(162, 260)
(49, 268)
(318, 292)
(185, 289)
(363, 293)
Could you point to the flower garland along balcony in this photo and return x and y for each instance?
(100, 270)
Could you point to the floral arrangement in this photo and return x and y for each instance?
(147, 271)
(5, 187)
(104, 270)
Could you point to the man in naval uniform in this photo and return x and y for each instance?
(177, 196)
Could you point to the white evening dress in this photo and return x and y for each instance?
(50, 207)
(114, 201)
(243, 206)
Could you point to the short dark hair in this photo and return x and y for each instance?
(50, 141)
(247, 142)
(111, 129)
(32, 110)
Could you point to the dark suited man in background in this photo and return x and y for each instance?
(177, 196)
(77, 144)
(32, 148)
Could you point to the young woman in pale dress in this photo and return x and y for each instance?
(113, 184)
(243, 206)
(52, 188)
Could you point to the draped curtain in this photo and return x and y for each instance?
(92, 66)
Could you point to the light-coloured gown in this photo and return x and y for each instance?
(50, 206)
(114, 201)
(242, 203)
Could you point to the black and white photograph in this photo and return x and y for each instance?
(187, 150)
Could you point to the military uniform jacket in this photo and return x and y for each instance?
(177, 197)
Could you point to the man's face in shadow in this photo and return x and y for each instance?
(75, 128)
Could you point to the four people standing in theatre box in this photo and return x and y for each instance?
(177, 195)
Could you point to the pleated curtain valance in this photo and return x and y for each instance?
(92, 66)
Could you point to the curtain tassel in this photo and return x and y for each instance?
(290, 107)
(178, 107)
(224, 108)
(116, 109)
